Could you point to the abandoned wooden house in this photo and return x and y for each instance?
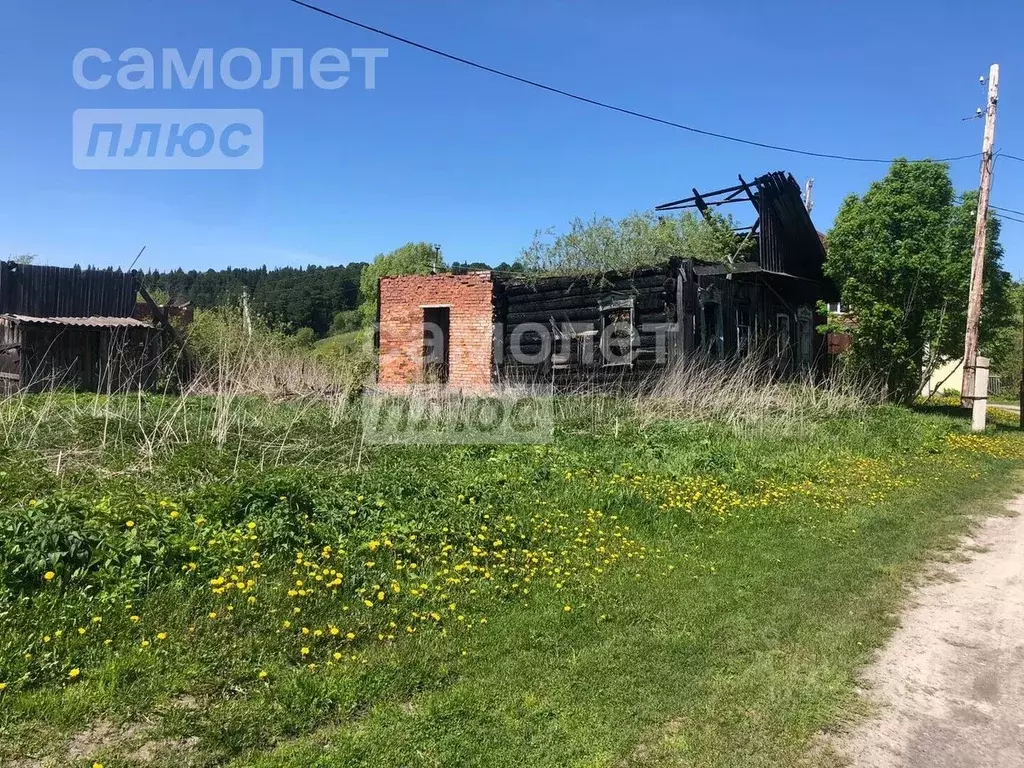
(473, 331)
(69, 327)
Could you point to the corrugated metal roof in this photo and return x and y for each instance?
(82, 322)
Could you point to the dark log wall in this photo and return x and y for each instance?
(571, 311)
(28, 289)
(723, 316)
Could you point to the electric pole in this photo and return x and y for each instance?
(980, 235)
(808, 202)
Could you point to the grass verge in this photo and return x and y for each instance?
(632, 594)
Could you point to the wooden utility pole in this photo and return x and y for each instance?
(808, 187)
(980, 237)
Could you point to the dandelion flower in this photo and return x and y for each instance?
(74, 673)
(262, 675)
(135, 619)
(304, 651)
(49, 575)
(3, 686)
(161, 635)
(129, 524)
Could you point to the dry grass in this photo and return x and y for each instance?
(749, 391)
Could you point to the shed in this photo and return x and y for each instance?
(73, 327)
(86, 353)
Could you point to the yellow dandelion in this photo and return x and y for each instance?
(74, 673)
(129, 524)
(49, 575)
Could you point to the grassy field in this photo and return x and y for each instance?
(188, 581)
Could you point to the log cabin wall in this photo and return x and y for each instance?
(560, 325)
(570, 330)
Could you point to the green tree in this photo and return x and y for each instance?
(1006, 347)
(410, 259)
(901, 256)
(640, 239)
(345, 321)
(305, 338)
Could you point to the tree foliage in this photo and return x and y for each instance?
(1006, 347)
(410, 259)
(288, 298)
(901, 255)
(640, 239)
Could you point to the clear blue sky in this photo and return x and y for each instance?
(446, 154)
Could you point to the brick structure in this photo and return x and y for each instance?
(466, 304)
(571, 331)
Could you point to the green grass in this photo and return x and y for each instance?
(716, 590)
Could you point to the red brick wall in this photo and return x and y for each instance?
(402, 300)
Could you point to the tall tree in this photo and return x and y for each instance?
(640, 239)
(410, 259)
(901, 256)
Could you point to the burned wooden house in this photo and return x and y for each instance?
(71, 327)
(472, 331)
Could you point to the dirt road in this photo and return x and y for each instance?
(950, 684)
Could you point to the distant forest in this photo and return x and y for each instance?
(288, 298)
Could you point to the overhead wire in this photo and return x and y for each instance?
(607, 105)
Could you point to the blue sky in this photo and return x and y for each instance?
(446, 154)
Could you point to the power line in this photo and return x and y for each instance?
(1007, 210)
(1004, 217)
(1010, 157)
(606, 105)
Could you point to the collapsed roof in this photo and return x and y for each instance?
(788, 242)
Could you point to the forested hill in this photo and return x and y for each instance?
(288, 297)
